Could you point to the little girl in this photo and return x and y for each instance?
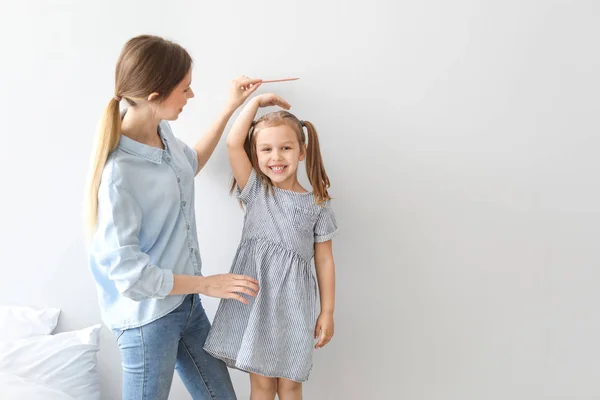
(271, 336)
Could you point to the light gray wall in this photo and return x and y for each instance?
(461, 139)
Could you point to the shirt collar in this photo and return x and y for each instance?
(142, 150)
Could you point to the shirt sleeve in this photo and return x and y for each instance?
(190, 154)
(326, 227)
(116, 248)
(251, 189)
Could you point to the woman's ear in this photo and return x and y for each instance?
(152, 96)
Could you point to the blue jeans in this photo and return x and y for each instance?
(151, 353)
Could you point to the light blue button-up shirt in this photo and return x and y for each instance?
(146, 229)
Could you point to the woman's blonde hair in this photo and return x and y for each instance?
(147, 64)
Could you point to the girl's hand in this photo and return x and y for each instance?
(229, 286)
(270, 99)
(240, 89)
(324, 328)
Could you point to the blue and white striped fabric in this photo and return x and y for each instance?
(273, 336)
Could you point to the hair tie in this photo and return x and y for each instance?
(117, 98)
(302, 124)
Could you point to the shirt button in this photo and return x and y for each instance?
(183, 203)
(178, 180)
(168, 159)
(188, 227)
(191, 250)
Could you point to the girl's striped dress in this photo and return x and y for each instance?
(273, 336)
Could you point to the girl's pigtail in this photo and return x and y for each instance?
(315, 169)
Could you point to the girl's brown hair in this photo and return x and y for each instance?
(315, 169)
(147, 64)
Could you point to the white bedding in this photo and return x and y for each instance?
(21, 322)
(13, 387)
(37, 365)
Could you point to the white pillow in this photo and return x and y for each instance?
(22, 322)
(65, 362)
(14, 388)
